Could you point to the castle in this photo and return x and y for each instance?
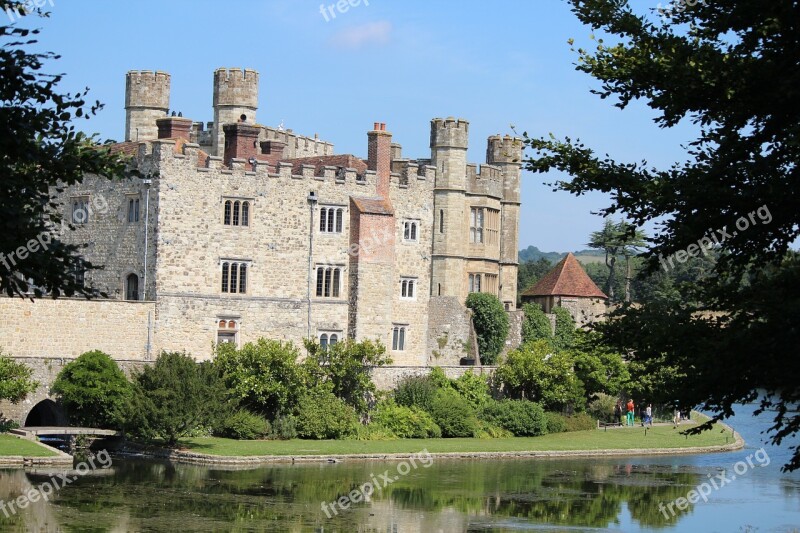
(237, 231)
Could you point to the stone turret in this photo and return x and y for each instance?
(506, 153)
(146, 100)
(235, 100)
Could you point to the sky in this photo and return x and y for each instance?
(496, 64)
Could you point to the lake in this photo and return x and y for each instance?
(628, 494)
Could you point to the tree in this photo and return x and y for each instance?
(94, 390)
(16, 380)
(618, 239)
(601, 370)
(491, 324)
(40, 153)
(730, 68)
(346, 367)
(536, 372)
(264, 377)
(174, 397)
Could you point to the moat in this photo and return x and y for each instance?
(617, 494)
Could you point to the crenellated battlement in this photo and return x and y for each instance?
(297, 145)
(236, 87)
(147, 88)
(486, 180)
(449, 133)
(407, 172)
(504, 150)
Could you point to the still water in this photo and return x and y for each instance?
(619, 494)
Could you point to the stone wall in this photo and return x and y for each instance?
(584, 310)
(450, 332)
(387, 377)
(64, 328)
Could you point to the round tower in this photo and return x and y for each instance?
(146, 100)
(449, 143)
(506, 153)
(235, 100)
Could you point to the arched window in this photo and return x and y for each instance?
(323, 341)
(399, 338)
(328, 275)
(331, 219)
(334, 339)
(339, 215)
(323, 219)
(236, 213)
(329, 280)
(132, 287)
(245, 213)
(227, 220)
(335, 287)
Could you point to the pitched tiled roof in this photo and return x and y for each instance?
(373, 206)
(566, 279)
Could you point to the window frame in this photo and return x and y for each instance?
(408, 288)
(411, 230)
(80, 203)
(132, 276)
(234, 276)
(331, 219)
(237, 212)
(399, 337)
(328, 281)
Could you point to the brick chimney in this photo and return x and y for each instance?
(241, 141)
(379, 156)
(174, 128)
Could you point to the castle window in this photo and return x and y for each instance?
(407, 288)
(328, 339)
(441, 220)
(236, 213)
(133, 210)
(493, 227)
(227, 331)
(476, 219)
(80, 210)
(331, 219)
(132, 287)
(410, 230)
(329, 280)
(399, 338)
(234, 277)
(80, 277)
(474, 283)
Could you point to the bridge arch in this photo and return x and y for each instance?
(45, 413)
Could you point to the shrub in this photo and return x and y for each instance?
(94, 390)
(284, 428)
(244, 425)
(473, 388)
(345, 367)
(556, 422)
(321, 415)
(601, 369)
(263, 376)
(580, 422)
(536, 325)
(453, 414)
(374, 431)
(174, 397)
(602, 408)
(406, 422)
(487, 430)
(15, 380)
(416, 391)
(520, 417)
(491, 324)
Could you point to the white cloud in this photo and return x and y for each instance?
(372, 33)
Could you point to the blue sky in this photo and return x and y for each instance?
(402, 63)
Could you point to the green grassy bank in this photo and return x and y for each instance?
(613, 439)
(13, 446)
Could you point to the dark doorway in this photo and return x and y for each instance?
(44, 413)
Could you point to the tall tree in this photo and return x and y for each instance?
(40, 153)
(608, 240)
(731, 68)
(632, 241)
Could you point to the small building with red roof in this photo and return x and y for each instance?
(568, 285)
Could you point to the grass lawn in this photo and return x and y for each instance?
(13, 446)
(613, 439)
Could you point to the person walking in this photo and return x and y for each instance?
(631, 410)
(649, 414)
(618, 413)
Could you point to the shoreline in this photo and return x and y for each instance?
(197, 458)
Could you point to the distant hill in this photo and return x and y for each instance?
(533, 254)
